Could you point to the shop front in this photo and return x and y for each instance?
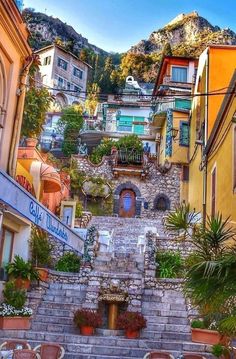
(18, 211)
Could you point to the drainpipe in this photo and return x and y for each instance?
(18, 116)
(204, 157)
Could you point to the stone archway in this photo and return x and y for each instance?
(128, 196)
(161, 203)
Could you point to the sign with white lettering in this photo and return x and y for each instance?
(16, 197)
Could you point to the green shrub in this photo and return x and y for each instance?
(41, 248)
(14, 296)
(198, 324)
(191, 260)
(219, 350)
(169, 264)
(69, 262)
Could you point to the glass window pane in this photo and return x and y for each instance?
(179, 74)
(7, 246)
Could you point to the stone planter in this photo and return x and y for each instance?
(86, 330)
(206, 336)
(31, 142)
(132, 334)
(18, 323)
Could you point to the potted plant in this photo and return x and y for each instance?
(13, 313)
(41, 250)
(23, 272)
(220, 351)
(207, 334)
(87, 320)
(132, 323)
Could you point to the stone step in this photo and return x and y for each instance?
(164, 320)
(62, 299)
(55, 312)
(112, 346)
(66, 306)
(148, 334)
(163, 306)
(39, 318)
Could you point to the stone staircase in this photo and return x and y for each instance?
(163, 305)
(126, 230)
(167, 326)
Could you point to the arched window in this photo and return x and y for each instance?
(161, 203)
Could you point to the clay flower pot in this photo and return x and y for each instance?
(206, 336)
(86, 330)
(43, 274)
(31, 142)
(22, 283)
(18, 323)
(132, 334)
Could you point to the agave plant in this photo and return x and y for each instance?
(181, 220)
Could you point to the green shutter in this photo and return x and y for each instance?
(139, 129)
(124, 123)
(182, 103)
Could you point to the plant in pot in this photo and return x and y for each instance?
(204, 332)
(132, 323)
(23, 272)
(13, 313)
(87, 320)
(220, 351)
(210, 282)
(41, 250)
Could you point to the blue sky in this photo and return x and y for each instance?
(116, 25)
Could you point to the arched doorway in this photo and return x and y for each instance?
(127, 203)
(161, 203)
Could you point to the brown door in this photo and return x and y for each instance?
(127, 204)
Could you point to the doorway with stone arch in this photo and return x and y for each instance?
(127, 201)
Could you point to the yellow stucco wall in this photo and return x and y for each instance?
(179, 153)
(222, 159)
(222, 63)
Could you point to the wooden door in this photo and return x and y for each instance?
(127, 204)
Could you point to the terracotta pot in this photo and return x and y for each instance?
(208, 336)
(15, 323)
(43, 274)
(31, 142)
(86, 330)
(132, 334)
(22, 283)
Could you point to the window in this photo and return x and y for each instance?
(77, 89)
(184, 134)
(6, 248)
(179, 74)
(185, 173)
(213, 192)
(62, 63)
(182, 103)
(125, 123)
(161, 203)
(78, 73)
(60, 82)
(47, 60)
(138, 126)
(68, 85)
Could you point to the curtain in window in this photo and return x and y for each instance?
(179, 74)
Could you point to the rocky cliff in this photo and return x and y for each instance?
(46, 29)
(187, 34)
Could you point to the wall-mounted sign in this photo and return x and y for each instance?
(14, 196)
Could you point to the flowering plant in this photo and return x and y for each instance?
(7, 310)
(87, 317)
(131, 321)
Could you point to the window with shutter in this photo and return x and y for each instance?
(213, 193)
(179, 74)
(125, 123)
(182, 103)
(184, 134)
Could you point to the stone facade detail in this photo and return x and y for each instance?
(156, 183)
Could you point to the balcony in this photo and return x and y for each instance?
(129, 162)
(168, 80)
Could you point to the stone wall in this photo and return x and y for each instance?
(146, 190)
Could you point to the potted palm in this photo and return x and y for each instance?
(41, 250)
(87, 320)
(23, 272)
(13, 313)
(132, 323)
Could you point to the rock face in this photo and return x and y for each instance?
(189, 32)
(46, 29)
